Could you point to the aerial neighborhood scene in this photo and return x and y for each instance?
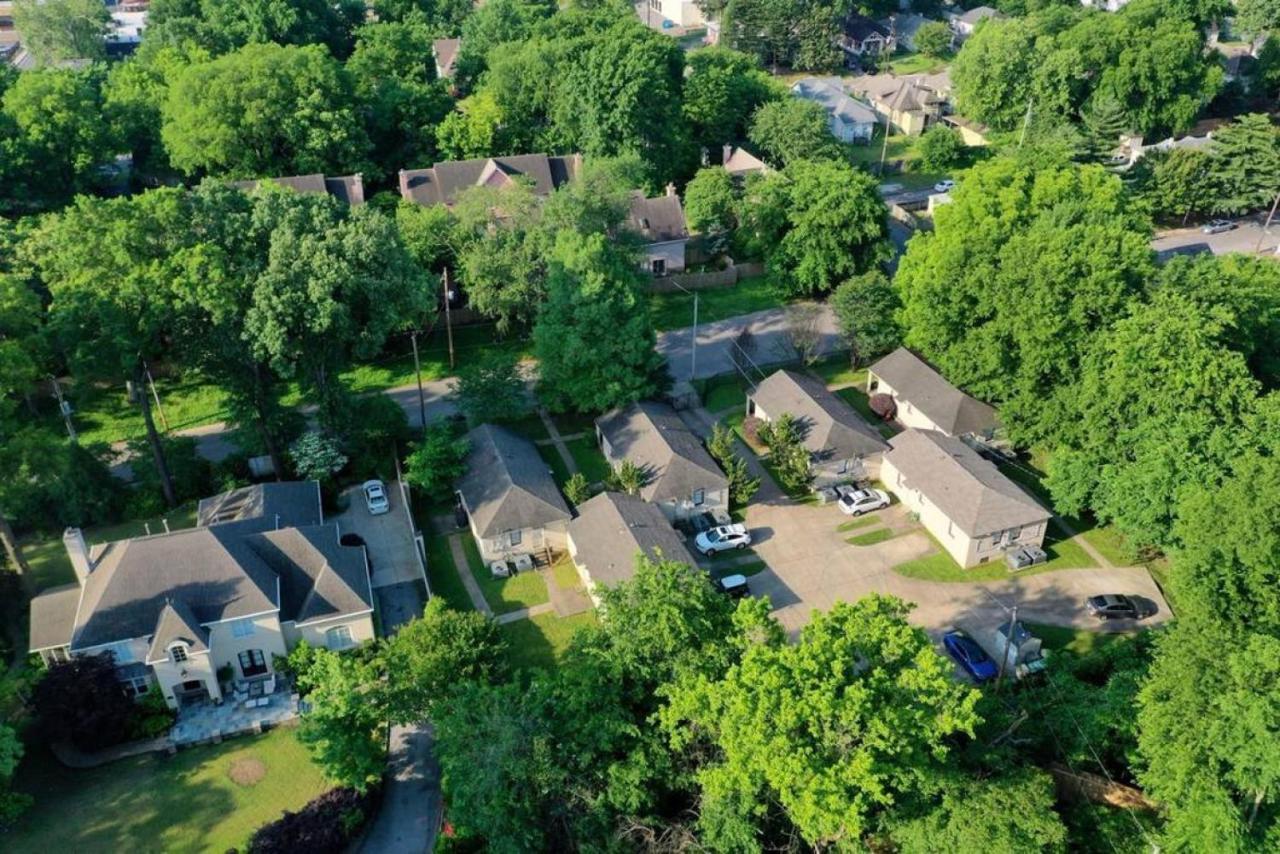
(662, 426)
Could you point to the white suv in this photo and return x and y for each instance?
(855, 502)
(722, 539)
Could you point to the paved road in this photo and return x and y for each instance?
(1244, 239)
(715, 342)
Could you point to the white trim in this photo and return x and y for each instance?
(65, 646)
(345, 616)
(88, 649)
(319, 501)
(190, 653)
(275, 610)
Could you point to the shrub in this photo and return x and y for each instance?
(324, 826)
(438, 460)
(81, 701)
(627, 477)
(940, 148)
(577, 489)
(190, 472)
(152, 716)
(378, 426)
(884, 405)
(316, 457)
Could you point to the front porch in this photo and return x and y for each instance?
(205, 720)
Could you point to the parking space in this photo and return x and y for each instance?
(812, 564)
(397, 577)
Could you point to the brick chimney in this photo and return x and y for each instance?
(404, 184)
(671, 188)
(78, 552)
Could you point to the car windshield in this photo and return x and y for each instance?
(713, 536)
(971, 650)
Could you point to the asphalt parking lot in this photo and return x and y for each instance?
(396, 576)
(811, 567)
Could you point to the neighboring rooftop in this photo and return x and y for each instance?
(659, 219)
(916, 381)
(651, 435)
(739, 161)
(445, 52)
(287, 504)
(976, 15)
(832, 429)
(970, 491)
(860, 28)
(346, 188)
(442, 183)
(507, 486)
(829, 92)
(613, 528)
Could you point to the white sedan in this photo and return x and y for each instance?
(944, 186)
(855, 502)
(723, 538)
(375, 497)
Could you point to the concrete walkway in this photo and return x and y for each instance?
(464, 572)
(556, 439)
(525, 613)
(700, 421)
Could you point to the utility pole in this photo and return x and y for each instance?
(884, 149)
(1013, 619)
(1258, 247)
(155, 396)
(417, 370)
(448, 320)
(1026, 123)
(64, 406)
(693, 358)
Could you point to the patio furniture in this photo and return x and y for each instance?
(269, 687)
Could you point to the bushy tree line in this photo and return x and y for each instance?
(1149, 390)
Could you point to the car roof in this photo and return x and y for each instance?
(733, 580)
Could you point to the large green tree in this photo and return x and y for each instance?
(262, 111)
(722, 90)
(866, 309)
(221, 26)
(57, 31)
(1246, 164)
(1257, 17)
(344, 726)
(792, 129)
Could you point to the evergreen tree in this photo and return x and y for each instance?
(1104, 123)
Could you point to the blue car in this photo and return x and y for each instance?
(970, 656)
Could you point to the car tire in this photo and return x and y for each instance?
(740, 546)
(858, 512)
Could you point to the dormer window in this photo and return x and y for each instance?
(178, 653)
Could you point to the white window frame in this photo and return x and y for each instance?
(343, 634)
(243, 629)
(178, 653)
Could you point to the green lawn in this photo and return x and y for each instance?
(747, 569)
(443, 575)
(854, 524)
(871, 537)
(572, 423)
(48, 558)
(857, 398)
(939, 566)
(565, 574)
(916, 63)
(722, 393)
(555, 462)
(589, 458)
(530, 426)
(503, 594)
(539, 641)
(836, 370)
(1080, 641)
(187, 802)
(675, 310)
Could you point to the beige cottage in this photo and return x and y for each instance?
(924, 399)
(261, 572)
(973, 510)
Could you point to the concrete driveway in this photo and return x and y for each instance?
(812, 567)
(388, 537)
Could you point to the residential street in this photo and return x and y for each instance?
(1248, 238)
(716, 340)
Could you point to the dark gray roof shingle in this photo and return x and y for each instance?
(507, 486)
(968, 489)
(177, 623)
(953, 411)
(53, 617)
(659, 219)
(832, 429)
(651, 435)
(345, 188)
(613, 528)
(280, 505)
(442, 183)
(319, 577)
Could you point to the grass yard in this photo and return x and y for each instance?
(723, 393)
(48, 558)
(539, 641)
(916, 63)
(747, 569)
(188, 802)
(1079, 641)
(555, 462)
(940, 566)
(675, 310)
(573, 423)
(565, 574)
(443, 575)
(836, 370)
(530, 426)
(872, 537)
(857, 398)
(854, 524)
(503, 594)
(589, 458)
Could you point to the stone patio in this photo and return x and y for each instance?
(208, 721)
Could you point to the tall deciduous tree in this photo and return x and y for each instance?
(722, 90)
(345, 723)
(490, 388)
(1257, 17)
(437, 461)
(1247, 164)
(866, 308)
(263, 111)
(56, 31)
(792, 129)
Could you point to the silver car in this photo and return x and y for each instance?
(375, 497)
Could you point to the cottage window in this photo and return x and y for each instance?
(242, 629)
(339, 637)
(659, 266)
(514, 537)
(178, 653)
(135, 686)
(699, 497)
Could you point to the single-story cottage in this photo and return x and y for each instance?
(739, 162)
(260, 572)
(441, 183)
(445, 54)
(660, 223)
(972, 509)
(611, 531)
(681, 478)
(512, 503)
(842, 447)
(926, 400)
(860, 36)
(850, 120)
(964, 23)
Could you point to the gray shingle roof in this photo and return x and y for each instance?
(295, 503)
(830, 94)
(319, 577)
(969, 490)
(651, 435)
(832, 429)
(507, 486)
(442, 183)
(658, 219)
(345, 188)
(952, 410)
(613, 528)
(177, 623)
(445, 52)
(53, 617)
(978, 13)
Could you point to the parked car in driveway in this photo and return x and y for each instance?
(733, 586)
(1114, 606)
(1022, 557)
(944, 186)
(1217, 226)
(969, 655)
(375, 497)
(855, 502)
(722, 539)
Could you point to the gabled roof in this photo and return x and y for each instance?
(651, 435)
(319, 577)
(832, 429)
(445, 52)
(283, 505)
(916, 382)
(345, 188)
(829, 92)
(739, 161)
(970, 491)
(612, 528)
(507, 486)
(53, 617)
(177, 624)
(859, 28)
(976, 14)
(442, 183)
(659, 219)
